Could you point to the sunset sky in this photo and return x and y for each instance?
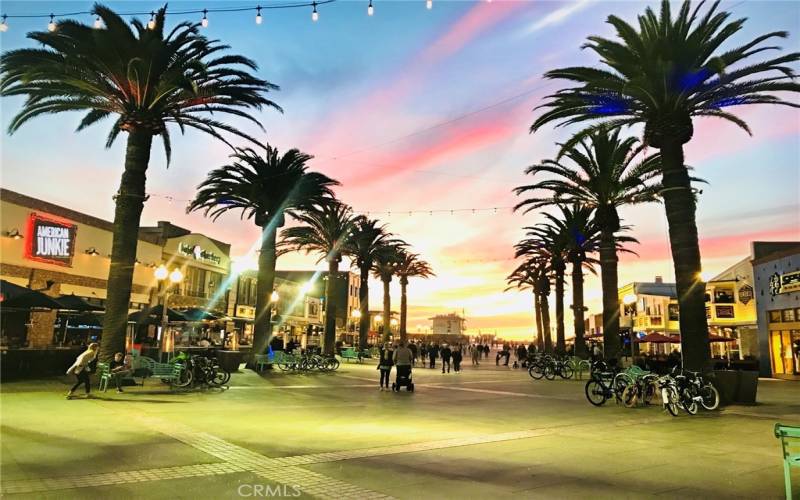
(425, 110)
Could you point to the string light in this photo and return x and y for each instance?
(204, 21)
(429, 4)
(51, 26)
(152, 24)
(315, 14)
(370, 9)
(258, 15)
(98, 23)
(4, 24)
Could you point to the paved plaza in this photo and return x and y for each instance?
(485, 433)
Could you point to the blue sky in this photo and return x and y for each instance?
(380, 101)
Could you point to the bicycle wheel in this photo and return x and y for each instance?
(536, 371)
(650, 390)
(688, 403)
(566, 371)
(550, 372)
(225, 375)
(185, 379)
(332, 364)
(710, 397)
(630, 396)
(670, 398)
(621, 381)
(595, 393)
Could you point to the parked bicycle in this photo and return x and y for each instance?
(602, 385)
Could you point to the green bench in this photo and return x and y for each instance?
(167, 372)
(790, 442)
(351, 354)
(261, 361)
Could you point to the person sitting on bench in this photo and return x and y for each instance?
(119, 369)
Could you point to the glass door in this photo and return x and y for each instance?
(776, 346)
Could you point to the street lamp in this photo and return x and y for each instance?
(176, 276)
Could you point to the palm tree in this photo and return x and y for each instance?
(266, 189)
(603, 174)
(545, 241)
(410, 266)
(662, 75)
(145, 79)
(368, 240)
(325, 230)
(524, 277)
(384, 267)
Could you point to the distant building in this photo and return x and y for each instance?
(345, 295)
(448, 324)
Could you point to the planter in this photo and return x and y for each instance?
(727, 384)
(747, 387)
(230, 360)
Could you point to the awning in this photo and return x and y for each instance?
(19, 297)
(153, 315)
(657, 338)
(75, 303)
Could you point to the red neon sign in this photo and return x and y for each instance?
(50, 239)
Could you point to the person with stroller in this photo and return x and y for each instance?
(402, 360)
(385, 364)
(446, 354)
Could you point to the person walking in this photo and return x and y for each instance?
(433, 353)
(486, 350)
(402, 359)
(385, 364)
(446, 354)
(476, 355)
(81, 368)
(457, 357)
(413, 348)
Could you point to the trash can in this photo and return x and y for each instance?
(747, 387)
(230, 360)
(727, 384)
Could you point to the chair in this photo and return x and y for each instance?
(790, 443)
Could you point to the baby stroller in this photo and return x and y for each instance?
(403, 379)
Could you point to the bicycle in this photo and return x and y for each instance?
(601, 387)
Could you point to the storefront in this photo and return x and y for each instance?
(62, 252)
(777, 286)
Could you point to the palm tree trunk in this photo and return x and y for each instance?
(560, 342)
(577, 308)
(363, 304)
(610, 283)
(403, 309)
(262, 328)
(330, 307)
(538, 312)
(545, 308)
(127, 214)
(387, 311)
(679, 203)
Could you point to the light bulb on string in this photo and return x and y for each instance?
(151, 25)
(204, 21)
(3, 24)
(314, 13)
(258, 15)
(51, 26)
(370, 9)
(429, 4)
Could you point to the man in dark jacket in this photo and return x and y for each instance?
(433, 353)
(446, 353)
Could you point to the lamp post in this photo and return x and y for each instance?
(175, 277)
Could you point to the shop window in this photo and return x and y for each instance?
(788, 315)
(723, 296)
(673, 312)
(774, 316)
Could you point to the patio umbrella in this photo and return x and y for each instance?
(197, 314)
(19, 297)
(74, 303)
(657, 338)
(153, 315)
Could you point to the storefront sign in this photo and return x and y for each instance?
(724, 311)
(746, 294)
(50, 240)
(784, 283)
(198, 253)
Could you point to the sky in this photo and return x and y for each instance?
(427, 111)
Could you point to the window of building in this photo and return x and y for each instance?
(774, 316)
(194, 282)
(788, 315)
(723, 296)
(674, 314)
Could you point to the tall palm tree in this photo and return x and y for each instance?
(145, 79)
(387, 261)
(324, 230)
(604, 173)
(266, 189)
(545, 241)
(410, 266)
(661, 75)
(525, 277)
(537, 270)
(369, 238)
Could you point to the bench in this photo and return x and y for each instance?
(351, 354)
(261, 361)
(148, 367)
(790, 443)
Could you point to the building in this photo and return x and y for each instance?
(731, 312)
(345, 293)
(448, 324)
(376, 322)
(204, 262)
(298, 313)
(776, 272)
(649, 307)
(62, 252)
